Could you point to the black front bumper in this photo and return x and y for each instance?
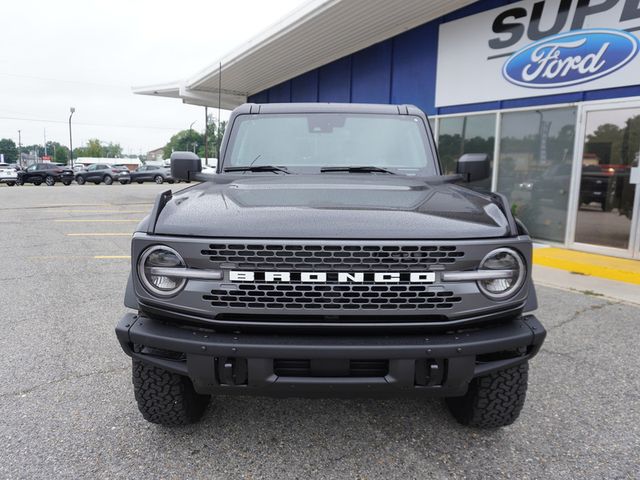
(439, 364)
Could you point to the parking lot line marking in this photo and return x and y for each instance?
(35, 207)
(96, 220)
(95, 234)
(103, 211)
(64, 257)
(56, 257)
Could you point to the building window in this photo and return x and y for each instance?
(534, 168)
(466, 134)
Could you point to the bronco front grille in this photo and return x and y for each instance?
(331, 257)
(332, 297)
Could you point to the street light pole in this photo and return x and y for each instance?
(72, 110)
(190, 134)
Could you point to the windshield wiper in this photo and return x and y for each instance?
(257, 168)
(357, 170)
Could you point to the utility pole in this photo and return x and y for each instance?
(45, 142)
(206, 127)
(72, 110)
(20, 148)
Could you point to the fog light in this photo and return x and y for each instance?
(512, 270)
(157, 257)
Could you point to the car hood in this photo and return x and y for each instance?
(344, 206)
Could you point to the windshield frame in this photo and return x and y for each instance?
(432, 166)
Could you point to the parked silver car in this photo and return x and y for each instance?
(152, 173)
(100, 172)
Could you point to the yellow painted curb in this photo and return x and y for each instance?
(612, 268)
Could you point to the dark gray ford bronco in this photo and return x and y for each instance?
(330, 257)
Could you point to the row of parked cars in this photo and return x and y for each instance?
(52, 173)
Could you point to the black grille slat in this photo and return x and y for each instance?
(313, 296)
(332, 257)
(356, 368)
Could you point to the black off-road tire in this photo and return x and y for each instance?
(19, 182)
(50, 181)
(80, 180)
(66, 183)
(11, 184)
(139, 181)
(124, 182)
(494, 400)
(166, 398)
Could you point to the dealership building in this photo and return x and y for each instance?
(549, 89)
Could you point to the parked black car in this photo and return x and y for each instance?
(101, 172)
(152, 173)
(48, 173)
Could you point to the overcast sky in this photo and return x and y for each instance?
(88, 54)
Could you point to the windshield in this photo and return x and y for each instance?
(308, 142)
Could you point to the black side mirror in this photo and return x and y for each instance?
(185, 165)
(474, 166)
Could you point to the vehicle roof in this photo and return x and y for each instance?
(362, 108)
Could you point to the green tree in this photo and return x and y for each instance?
(8, 148)
(193, 141)
(112, 150)
(95, 148)
(185, 140)
(58, 152)
(37, 150)
(214, 139)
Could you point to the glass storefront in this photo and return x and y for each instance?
(468, 134)
(592, 202)
(534, 164)
(534, 168)
(606, 199)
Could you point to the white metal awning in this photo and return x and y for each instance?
(315, 34)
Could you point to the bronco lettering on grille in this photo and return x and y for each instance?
(333, 277)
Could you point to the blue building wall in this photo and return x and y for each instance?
(402, 69)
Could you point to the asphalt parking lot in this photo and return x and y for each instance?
(67, 407)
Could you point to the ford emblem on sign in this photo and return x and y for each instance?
(571, 58)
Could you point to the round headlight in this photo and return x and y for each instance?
(150, 266)
(510, 278)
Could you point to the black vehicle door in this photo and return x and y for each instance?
(39, 173)
(30, 173)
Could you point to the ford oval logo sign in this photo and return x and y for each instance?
(571, 58)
